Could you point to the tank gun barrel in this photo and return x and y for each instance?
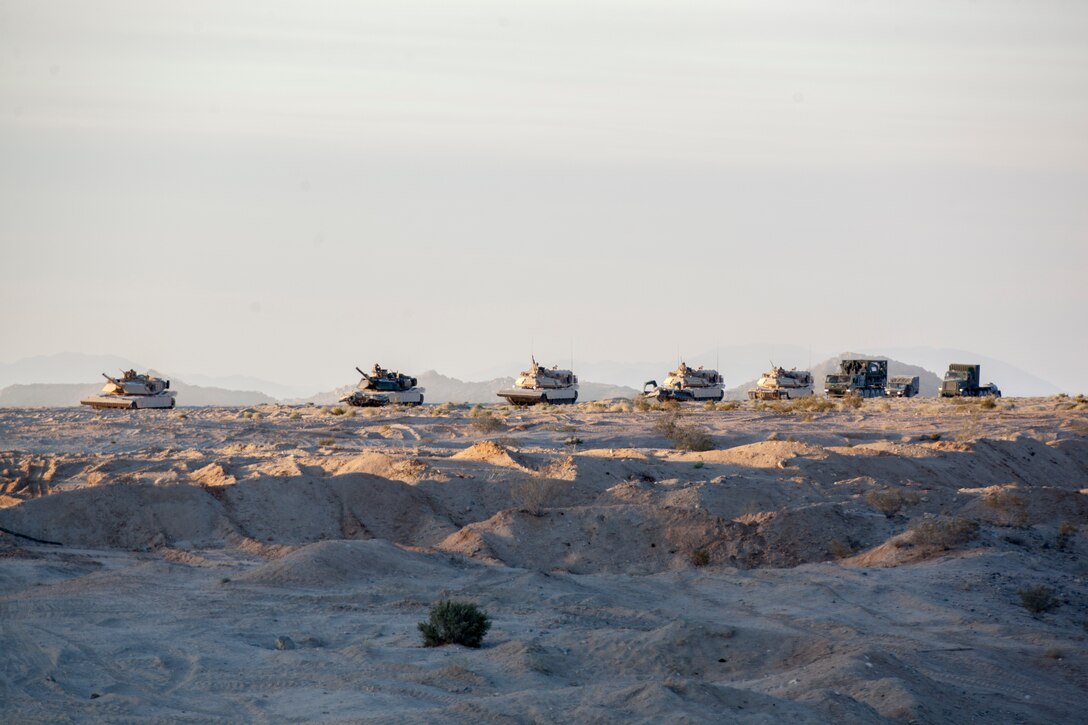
(112, 380)
(361, 372)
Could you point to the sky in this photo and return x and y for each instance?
(287, 190)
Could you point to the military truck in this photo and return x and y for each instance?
(902, 386)
(962, 380)
(863, 377)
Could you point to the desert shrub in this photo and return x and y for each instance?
(1066, 531)
(640, 404)
(453, 622)
(698, 464)
(538, 493)
(840, 550)
(683, 437)
(709, 405)
(888, 502)
(944, 533)
(851, 401)
(1011, 510)
(699, 557)
(326, 441)
(488, 424)
(573, 441)
(337, 411)
(988, 403)
(1038, 599)
(295, 415)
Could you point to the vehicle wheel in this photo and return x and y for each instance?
(574, 399)
(420, 400)
(173, 403)
(544, 398)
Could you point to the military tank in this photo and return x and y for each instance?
(381, 387)
(781, 384)
(132, 391)
(685, 384)
(541, 385)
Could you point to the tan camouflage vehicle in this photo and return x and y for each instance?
(132, 391)
(541, 385)
(685, 383)
(781, 384)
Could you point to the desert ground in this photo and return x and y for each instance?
(898, 561)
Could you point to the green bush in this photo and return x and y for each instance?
(486, 423)
(683, 437)
(454, 622)
(944, 533)
(1038, 599)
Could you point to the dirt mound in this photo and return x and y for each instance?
(378, 464)
(765, 454)
(490, 452)
(330, 563)
(125, 516)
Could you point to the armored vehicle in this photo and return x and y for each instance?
(902, 386)
(963, 381)
(132, 391)
(381, 387)
(864, 377)
(779, 383)
(539, 385)
(683, 384)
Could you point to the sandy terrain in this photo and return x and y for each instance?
(270, 564)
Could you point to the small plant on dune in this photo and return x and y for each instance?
(727, 405)
(573, 441)
(852, 401)
(326, 441)
(640, 404)
(698, 464)
(1066, 531)
(295, 415)
(710, 405)
(839, 550)
(337, 411)
(988, 403)
(536, 494)
(888, 502)
(944, 533)
(683, 437)
(1011, 510)
(453, 622)
(1038, 599)
(699, 558)
(488, 423)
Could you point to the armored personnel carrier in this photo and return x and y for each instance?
(132, 391)
(539, 385)
(963, 381)
(863, 377)
(381, 387)
(684, 384)
(781, 384)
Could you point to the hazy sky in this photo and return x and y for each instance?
(289, 189)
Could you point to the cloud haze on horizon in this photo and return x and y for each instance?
(286, 192)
